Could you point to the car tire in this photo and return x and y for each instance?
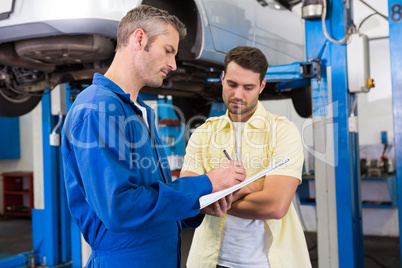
(17, 107)
(301, 99)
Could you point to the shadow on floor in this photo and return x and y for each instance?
(16, 237)
(379, 252)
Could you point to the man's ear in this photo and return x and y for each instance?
(262, 85)
(138, 39)
(222, 76)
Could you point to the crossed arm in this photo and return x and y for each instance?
(268, 199)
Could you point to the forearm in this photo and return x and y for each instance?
(255, 206)
(239, 194)
(253, 187)
(272, 202)
(148, 205)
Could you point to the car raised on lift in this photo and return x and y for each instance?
(44, 43)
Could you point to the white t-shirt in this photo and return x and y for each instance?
(144, 114)
(244, 241)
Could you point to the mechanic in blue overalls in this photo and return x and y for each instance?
(119, 187)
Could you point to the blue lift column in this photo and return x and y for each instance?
(337, 177)
(51, 225)
(395, 41)
(74, 241)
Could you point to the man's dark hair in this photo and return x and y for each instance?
(250, 58)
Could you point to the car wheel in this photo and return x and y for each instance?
(13, 104)
(301, 99)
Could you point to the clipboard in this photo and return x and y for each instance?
(208, 199)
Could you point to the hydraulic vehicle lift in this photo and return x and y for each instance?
(57, 240)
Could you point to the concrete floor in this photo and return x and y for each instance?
(379, 252)
(16, 237)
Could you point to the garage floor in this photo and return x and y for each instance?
(16, 237)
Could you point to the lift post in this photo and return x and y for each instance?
(337, 175)
(51, 224)
(395, 41)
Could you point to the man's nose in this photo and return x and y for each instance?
(238, 94)
(172, 64)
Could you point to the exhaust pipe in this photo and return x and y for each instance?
(9, 57)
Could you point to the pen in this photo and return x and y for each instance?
(227, 155)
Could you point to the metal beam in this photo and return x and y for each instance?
(75, 234)
(332, 107)
(290, 72)
(51, 252)
(395, 41)
(51, 223)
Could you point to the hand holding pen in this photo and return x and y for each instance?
(220, 207)
(225, 175)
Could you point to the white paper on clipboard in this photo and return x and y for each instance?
(208, 199)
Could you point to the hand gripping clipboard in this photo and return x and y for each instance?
(208, 199)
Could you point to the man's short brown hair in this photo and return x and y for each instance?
(250, 58)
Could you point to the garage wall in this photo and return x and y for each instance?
(375, 108)
(25, 163)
